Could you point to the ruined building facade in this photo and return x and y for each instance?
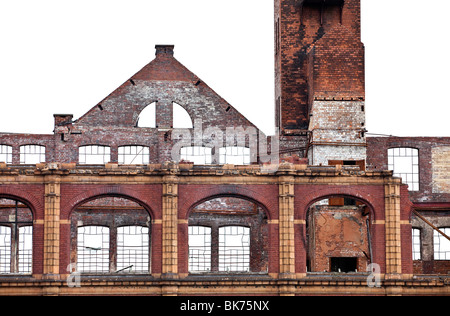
(115, 203)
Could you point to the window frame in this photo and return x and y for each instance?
(83, 153)
(31, 158)
(412, 177)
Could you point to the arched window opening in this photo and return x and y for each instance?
(181, 118)
(94, 155)
(228, 235)
(147, 118)
(32, 154)
(5, 153)
(338, 236)
(111, 235)
(16, 237)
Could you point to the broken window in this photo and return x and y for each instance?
(93, 249)
(441, 244)
(134, 155)
(94, 155)
(234, 155)
(110, 235)
(228, 234)
(234, 249)
(197, 154)
(5, 153)
(199, 248)
(405, 164)
(16, 237)
(416, 243)
(32, 154)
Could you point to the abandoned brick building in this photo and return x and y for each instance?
(131, 199)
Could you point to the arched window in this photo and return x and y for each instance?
(16, 237)
(234, 155)
(197, 154)
(405, 164)
(32, 154)
(134, 155)
(5, 153)
(94, 155)
(228, 234)
(111, 235)
(147, 118)
(181, 118)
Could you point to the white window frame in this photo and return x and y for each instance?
(6, 154)
(404, 161)
(32, 154)
(94, 155)
(234, 155)
(197, 154)
(134, 155)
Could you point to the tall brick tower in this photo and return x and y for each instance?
(319, 78)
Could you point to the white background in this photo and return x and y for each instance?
(65, 56)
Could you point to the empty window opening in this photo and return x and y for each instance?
(5, 153)
(234, 155)
(181, 118)
(416, 244)
(147, 118)
(134, 155)
(234, 249)
(405, 164)
(32, 154)
(132, 249)
(343, 264)
(93, 249)
(16, 237)
(196, 154)
(441, 244)
(199, 249)
(94, 155)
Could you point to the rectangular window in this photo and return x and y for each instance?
(134, 155)
(199, 249)
(5, 249)
(234, 155)
(416, 244)
(25, 249)
(343, 264)
(133, 249)
(197, 154)
(405, 164)
(441, 245)
(234, 249)
(93, 249)
(32, 154)
(94, 155)
(5, 154)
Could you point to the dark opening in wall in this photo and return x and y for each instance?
(343, 264)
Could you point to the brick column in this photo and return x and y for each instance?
(393, 231)
(286, 226)
(170, 226)
(51, 226)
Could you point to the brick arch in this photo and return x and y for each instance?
(107, 191)
(365, 195)
(25, 197)
(198, 194)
